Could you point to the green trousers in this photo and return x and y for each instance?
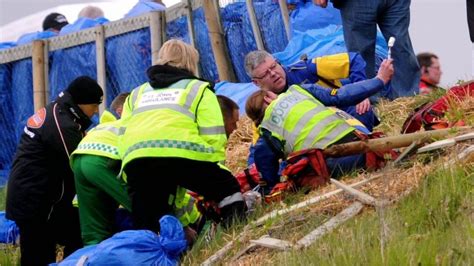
(99, 194)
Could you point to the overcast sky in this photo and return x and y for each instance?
(437, 26)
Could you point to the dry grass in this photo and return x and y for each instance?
(397, 182)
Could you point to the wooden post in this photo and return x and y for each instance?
(254, 23)
(39, 93)
(218, 43)
(46, 71)
(191, 32)
(155, 35)
(286, 17)
(163, 26)
(100, 67)
(391, 142)
(328, 226)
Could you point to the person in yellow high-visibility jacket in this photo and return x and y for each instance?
(116, 108)
(175, 137)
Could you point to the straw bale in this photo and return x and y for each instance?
(238, 145)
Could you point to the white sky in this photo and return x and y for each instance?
(437, 26)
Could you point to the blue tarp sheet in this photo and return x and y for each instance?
(7, 127)
(9, 231)
(128, 56)
(309, 16)
(70, 63)
(319, 42)
(136, 247)
(238, 92)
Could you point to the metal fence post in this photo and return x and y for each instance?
(39, 94)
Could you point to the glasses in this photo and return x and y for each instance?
(269, 71)
(435, 67)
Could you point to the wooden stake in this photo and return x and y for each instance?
(221, 252)
(328, 226)
(361, 196)
(389, 142)
(100, 67)
(155, 35)
(218, 43)
(39, 85)
(286, 17)
(272, 243)
(254, 23)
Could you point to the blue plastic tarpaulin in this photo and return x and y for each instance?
(9, 231)
(136, 247)
(238, 92)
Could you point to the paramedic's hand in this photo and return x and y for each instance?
(190, 234)
(363, 106)
(386, 70)
(321, 3)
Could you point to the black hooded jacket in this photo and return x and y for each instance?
(41, 180)
(162, 76)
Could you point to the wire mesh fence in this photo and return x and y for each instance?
(128, 49)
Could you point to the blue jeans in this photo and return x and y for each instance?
(338, 167)
(360, 19)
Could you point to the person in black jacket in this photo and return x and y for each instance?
(41, 183)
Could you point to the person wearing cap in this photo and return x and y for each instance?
(41, 184)
(52, 24)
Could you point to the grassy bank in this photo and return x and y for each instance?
(432, 226)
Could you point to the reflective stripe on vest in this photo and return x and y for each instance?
(86, 145)
(184, 109)
(184, 206)
(166, 143)
(274, 121)
(99, 147)
(177, 131)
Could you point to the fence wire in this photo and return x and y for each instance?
(127, 57)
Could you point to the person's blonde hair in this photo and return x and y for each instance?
(179, 54)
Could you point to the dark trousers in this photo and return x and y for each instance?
(152, 180)
(38, 238)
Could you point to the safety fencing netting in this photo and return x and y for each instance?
(118, 53)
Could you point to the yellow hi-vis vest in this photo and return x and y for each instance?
(184, 207)
(300, 121)
(106, 117)
(183, 120)
(102, 140)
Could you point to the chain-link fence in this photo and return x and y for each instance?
(117, 54)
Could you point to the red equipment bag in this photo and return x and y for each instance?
(431, 115)
(249, 178)
(305, 169)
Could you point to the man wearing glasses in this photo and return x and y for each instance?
(331, 72)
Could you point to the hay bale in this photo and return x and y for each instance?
(238, 145)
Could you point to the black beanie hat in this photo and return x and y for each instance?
(85, 90)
